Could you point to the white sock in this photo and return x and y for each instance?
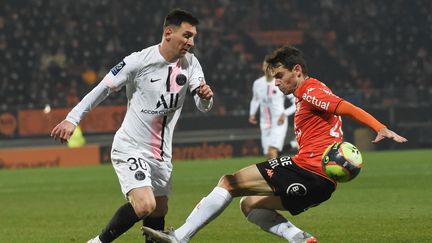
(273, 222)
(204, 212)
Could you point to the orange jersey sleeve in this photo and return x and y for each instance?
(345, 108)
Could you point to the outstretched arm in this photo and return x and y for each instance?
(64, 130)
(345, 108)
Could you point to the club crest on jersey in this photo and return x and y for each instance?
(140, 176)
(116, 69)
(181, 79)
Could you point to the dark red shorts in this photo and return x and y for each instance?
(299, 189)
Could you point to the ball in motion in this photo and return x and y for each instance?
(342, 161)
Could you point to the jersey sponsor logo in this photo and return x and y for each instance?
(154, 80)
(284, 161)
(169, 105)
(115, 70)
(296, 189)
(172, 100)
(181, 79)
(314, 101)
(153, 112)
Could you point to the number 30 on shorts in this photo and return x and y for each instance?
(137, 163)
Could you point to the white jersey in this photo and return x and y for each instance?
(271, 101)
(156, 90)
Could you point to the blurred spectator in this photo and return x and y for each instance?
(48, 46)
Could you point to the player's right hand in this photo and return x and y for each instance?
(204, 91)
(63, 131)
(252, 120)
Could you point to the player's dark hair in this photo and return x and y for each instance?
(288, 56)
(177, 16)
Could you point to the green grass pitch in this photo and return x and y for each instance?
(390, 201)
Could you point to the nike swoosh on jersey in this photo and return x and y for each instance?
(154, 80)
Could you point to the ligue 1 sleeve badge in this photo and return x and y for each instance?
(118, 67)
(181, 79)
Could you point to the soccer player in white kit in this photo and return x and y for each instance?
(273, 115)
(157, 80)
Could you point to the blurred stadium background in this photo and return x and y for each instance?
(376, 54)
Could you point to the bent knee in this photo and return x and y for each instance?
(144, 207)
(228, 182)
(246, 205)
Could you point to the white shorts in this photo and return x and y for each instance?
(274, 137)
(134, 170)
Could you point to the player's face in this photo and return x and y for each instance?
(182, 39)
(287, 80)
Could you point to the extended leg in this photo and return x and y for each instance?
(261, 210)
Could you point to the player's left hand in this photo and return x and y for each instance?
(204, 91)
(281, 119)
(387, 133)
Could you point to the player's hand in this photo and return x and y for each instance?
(204, 91)
(387, 133)
(252, 120)
(281, 119)
(63, 131)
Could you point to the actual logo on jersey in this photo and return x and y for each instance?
(181, 79)
(314, 101)
(296, 189)
(140, 176)
(115, 70)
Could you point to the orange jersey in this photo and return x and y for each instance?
(315, 124)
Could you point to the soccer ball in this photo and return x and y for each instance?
(342, 161)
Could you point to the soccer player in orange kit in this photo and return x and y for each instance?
(287, 183)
